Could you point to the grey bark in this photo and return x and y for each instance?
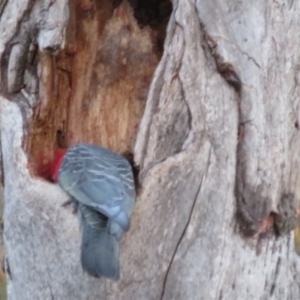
(218, 140)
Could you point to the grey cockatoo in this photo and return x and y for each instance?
(102, 188)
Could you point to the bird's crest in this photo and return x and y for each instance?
(55, 164)
(48, 169)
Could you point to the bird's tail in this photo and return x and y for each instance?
(99, 249)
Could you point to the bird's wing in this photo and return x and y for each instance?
(98, 178)
(99, 249)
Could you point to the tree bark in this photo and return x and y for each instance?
(217, 145)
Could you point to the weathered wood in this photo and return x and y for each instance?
(217, 148)
(241, 92)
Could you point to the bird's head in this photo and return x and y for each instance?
(49, 169)
(56, 163)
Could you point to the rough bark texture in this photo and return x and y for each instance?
(2, 255)
(217, 150)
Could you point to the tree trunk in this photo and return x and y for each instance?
(216, 146)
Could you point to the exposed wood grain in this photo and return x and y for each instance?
(95, 89)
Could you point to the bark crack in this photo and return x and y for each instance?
(251, 58)
(187, 141)
(186, 226)
(145, 171)
(275, 276)
(2, 6)
(225, 68)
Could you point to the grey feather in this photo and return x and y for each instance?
(101, 182)
(99, 249)
(101, 179)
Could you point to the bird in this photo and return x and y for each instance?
(101, 186)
